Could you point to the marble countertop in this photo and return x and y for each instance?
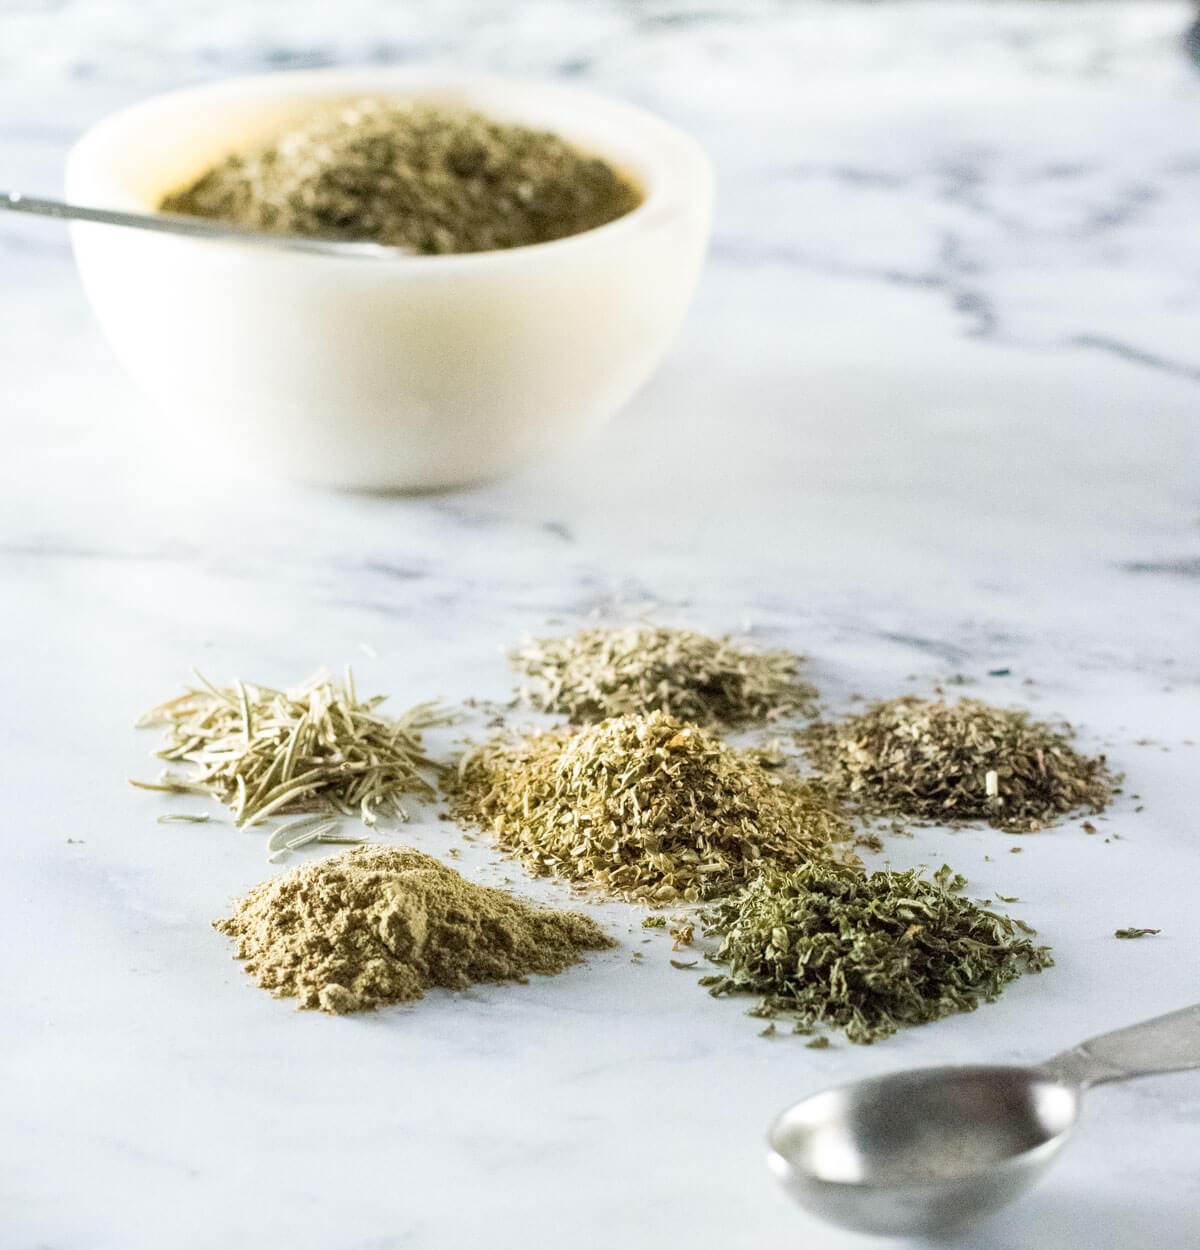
(936, 413)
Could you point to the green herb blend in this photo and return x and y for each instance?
(949, 763)
(866, 955)
(646, 807)
(431, 180)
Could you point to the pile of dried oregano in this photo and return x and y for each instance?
(646, 807)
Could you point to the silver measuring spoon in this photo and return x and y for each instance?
(194, 227)
(922, 1151)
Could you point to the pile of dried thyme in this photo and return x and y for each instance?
(431, 180)
(379, 925)
(948, 763)
(864, 954)
(714, 681)
(317, 748)
(646, 807)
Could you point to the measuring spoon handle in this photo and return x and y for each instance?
(1169, 1043)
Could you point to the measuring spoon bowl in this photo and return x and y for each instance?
(922, 1151)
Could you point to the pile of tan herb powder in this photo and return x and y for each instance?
(428, 179)
(646, 807)
(610, 672)
(378, 925)
(831, 947)
(949, 763)
(315, 748)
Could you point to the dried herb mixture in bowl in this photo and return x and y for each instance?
(428, 179)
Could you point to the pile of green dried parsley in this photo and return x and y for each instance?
(948, 763)
(610, 672)
(646, 807)
(864, 954)
(431, 180)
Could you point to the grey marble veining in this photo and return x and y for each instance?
(935, 413)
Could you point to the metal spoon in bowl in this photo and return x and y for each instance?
(195, 227)
(922, 1151)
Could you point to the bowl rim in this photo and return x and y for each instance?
(679, 171)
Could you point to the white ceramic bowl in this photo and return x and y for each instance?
(406, 374)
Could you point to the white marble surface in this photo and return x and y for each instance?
(937, 411)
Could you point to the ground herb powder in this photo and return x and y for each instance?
(645, 807)
(864, 954)
(428, 179)
(378, 925)
(948, 763)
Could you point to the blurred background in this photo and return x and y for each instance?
(933, 220)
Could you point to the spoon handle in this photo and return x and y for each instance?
(192, 227)
(1169, 1043)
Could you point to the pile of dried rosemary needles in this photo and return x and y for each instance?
(949, 763)
(317, 748)
(713, 681)
(646, 807)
